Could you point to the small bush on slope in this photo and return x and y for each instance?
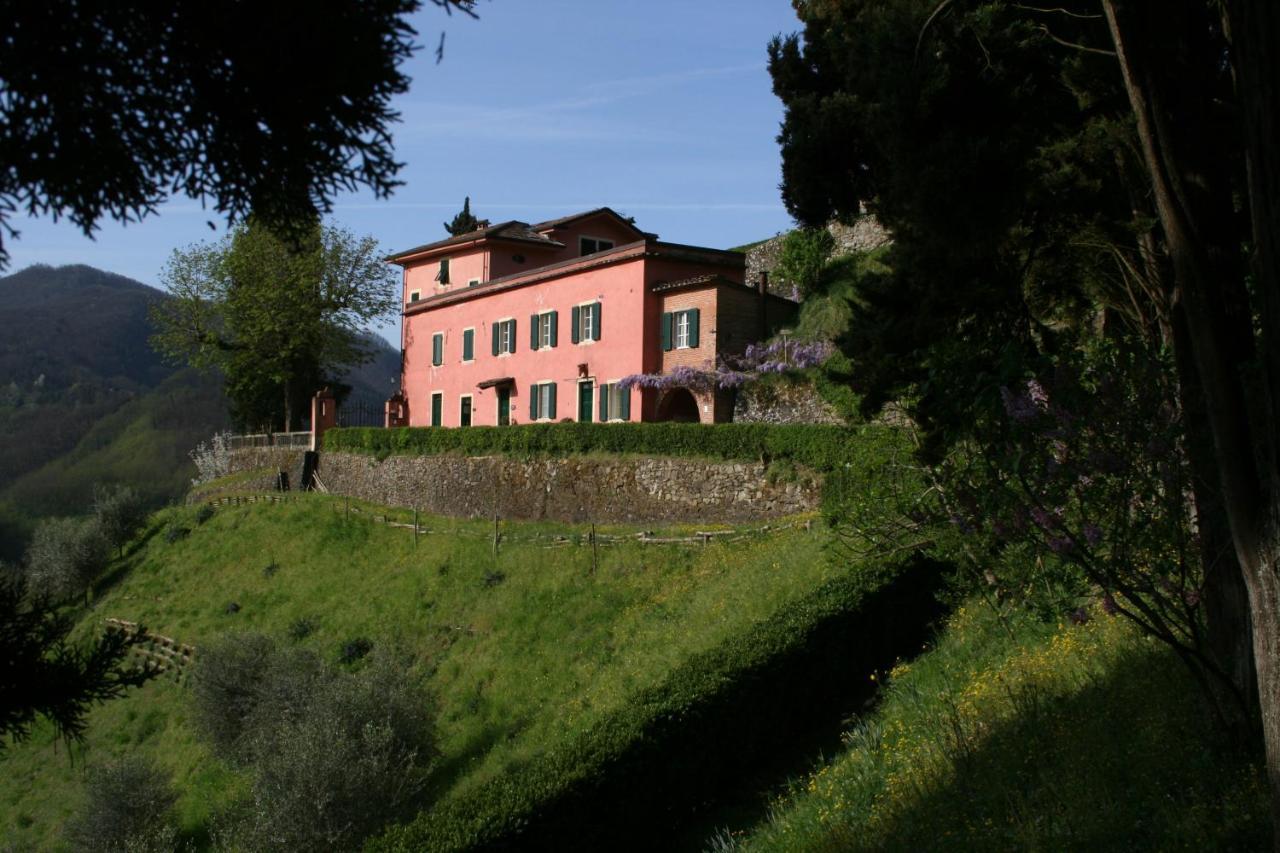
(334, 755)
(129, 808)
(65, 556)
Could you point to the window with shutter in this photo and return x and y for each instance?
(468, 344)
(437, 349)
(575, 321)
(442, 275)
(437, 407)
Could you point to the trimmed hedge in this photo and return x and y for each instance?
(638, 776)
(821, 447)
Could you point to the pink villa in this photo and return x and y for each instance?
(519, 323)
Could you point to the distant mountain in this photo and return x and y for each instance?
(85, 400)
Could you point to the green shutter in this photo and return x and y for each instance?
(595, 326)
(468, 344)
(437, 349)
(666, 331)
(533, 402)
(576, 322)
(552, 403)
(693, 326)
(437, 401)
(624, 410)
(443, 275)
(533, 332)
(513, 334)
(555, 321)
(603, 391)
(495, 338)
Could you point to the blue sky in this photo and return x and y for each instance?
(662, 110)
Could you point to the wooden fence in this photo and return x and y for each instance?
(164, 653)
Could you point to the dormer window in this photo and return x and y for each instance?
(443, 275)
(591, 245)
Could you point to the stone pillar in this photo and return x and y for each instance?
(396, 411)
(324, 415)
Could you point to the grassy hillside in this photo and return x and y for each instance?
(525, 652)
(1036, 737)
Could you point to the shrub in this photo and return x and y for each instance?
(204, 513)
(804, 254)
(354, 649)
(119, 512)
(175, 532)
(334, 755)
(226, 690)
(213, 460)
(818, 446)
(65, 556)
(302, 628)
(353, 755)
(128, 807)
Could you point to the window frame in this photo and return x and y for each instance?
(588, 320)
(544, 400)
(471, 410)
(437, 395)
(506, 337)
(680, 334)
(597, 241)
(437, 350)
(544, 330)
(442, 272)
(414, 296)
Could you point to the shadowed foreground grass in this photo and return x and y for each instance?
(1059, 737)
(524, 650)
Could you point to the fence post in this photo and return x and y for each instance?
(415, 527)
(495, 540)
(595, 549)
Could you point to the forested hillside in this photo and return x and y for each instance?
(84, 399)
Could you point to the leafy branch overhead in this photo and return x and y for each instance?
(251, 108)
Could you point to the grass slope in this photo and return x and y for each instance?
(524, 653)
(1045, 737)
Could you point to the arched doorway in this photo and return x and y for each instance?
(678, 405)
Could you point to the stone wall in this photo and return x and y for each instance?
(612, 489)
(862, 236)
(270, 460)
(782, 402)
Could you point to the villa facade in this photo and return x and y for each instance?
(520, 323)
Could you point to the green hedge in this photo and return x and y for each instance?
(638, 775)
(818, 446)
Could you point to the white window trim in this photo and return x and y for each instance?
(431, 401)
(586, 340)
(612, 385)
(537, 389)
(470, 397)
(613, 244)
(544, 342)
(680, 316)
(511, 340)
(414, 296)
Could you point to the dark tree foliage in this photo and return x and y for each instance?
(462, 221)
(43, 674)
(107, 109)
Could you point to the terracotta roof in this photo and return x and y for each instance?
(512, 229)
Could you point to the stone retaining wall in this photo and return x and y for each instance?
(611, 489)
(782, 402)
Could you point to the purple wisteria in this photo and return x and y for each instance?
(756, 361)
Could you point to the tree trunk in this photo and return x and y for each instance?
(1244, 430)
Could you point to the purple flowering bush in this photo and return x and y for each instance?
(758, 360)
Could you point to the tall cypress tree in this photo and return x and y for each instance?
(463, 221)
